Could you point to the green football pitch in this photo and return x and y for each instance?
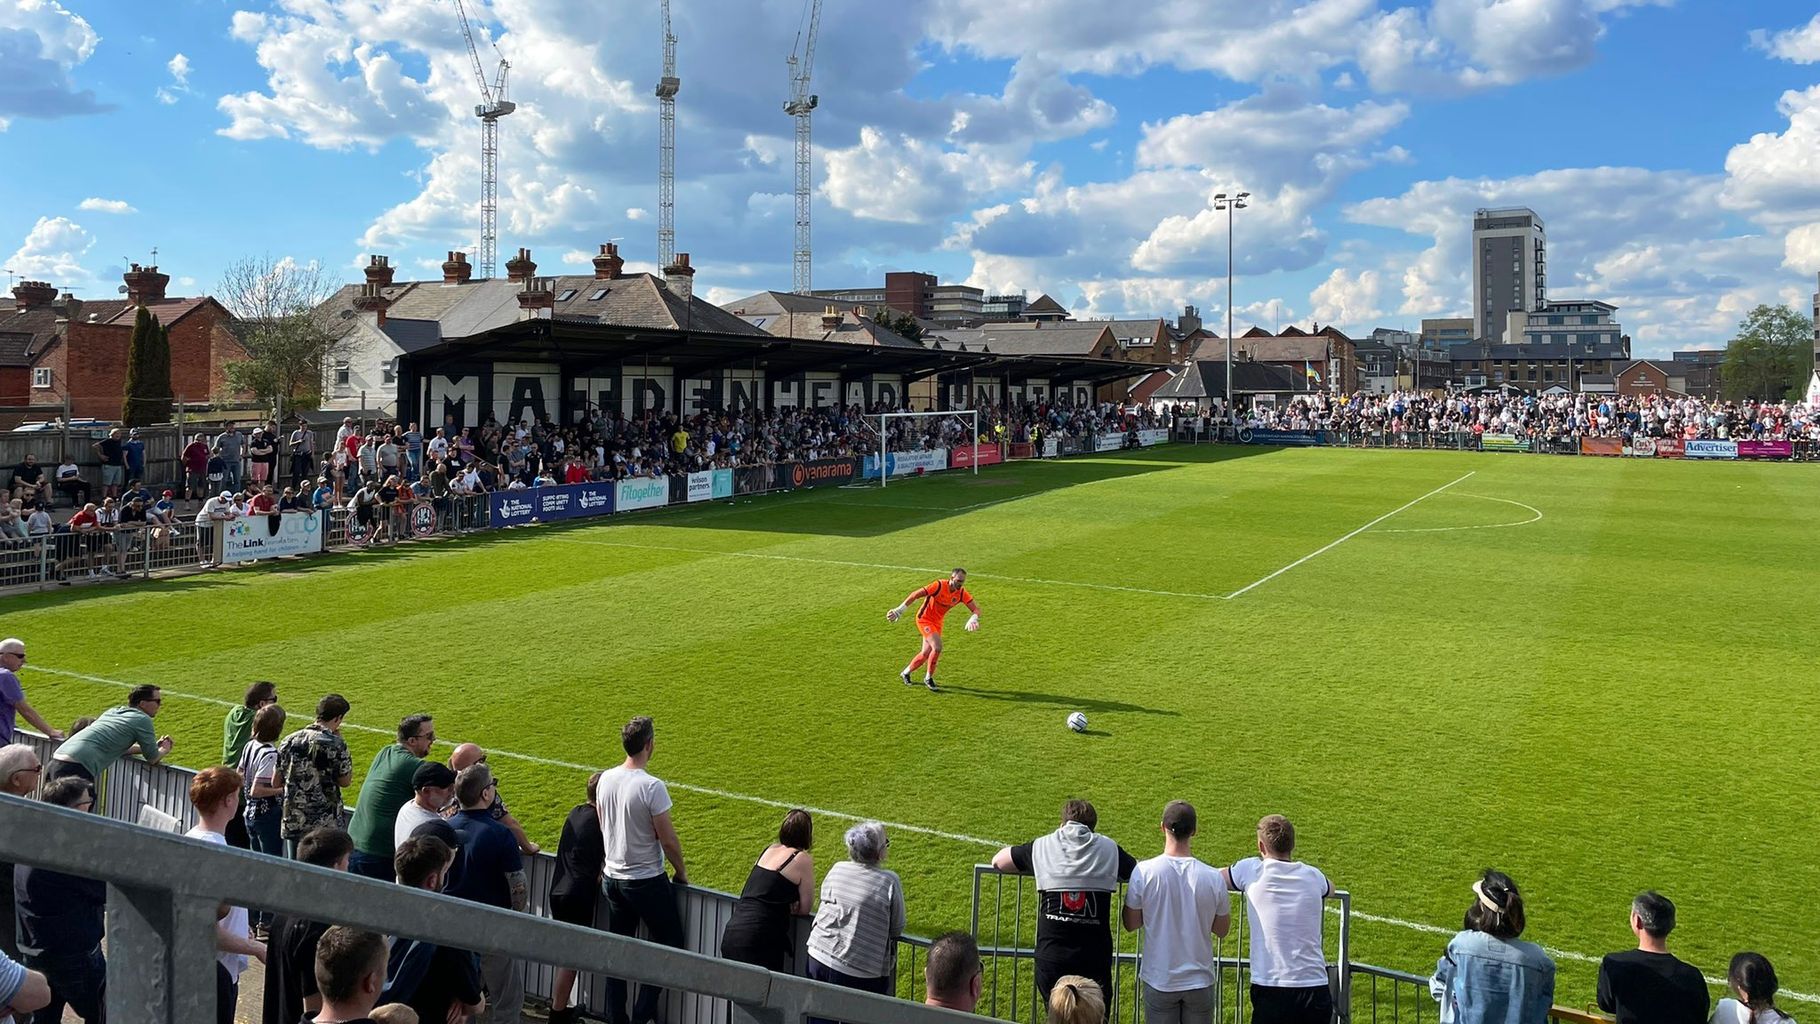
(1593, 674)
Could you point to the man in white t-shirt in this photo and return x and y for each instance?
(1283, 898)
(432, 787)
(634, 809)
(1181, 903)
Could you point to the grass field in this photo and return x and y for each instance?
(1593, 674)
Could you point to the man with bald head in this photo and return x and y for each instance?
(471, 754)
(19, 771)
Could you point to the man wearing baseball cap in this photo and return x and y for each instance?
(432, 786)
(218, 509)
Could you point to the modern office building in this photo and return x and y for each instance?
(1509, 269)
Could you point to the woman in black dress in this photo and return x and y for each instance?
(781, 885)
(580, 855)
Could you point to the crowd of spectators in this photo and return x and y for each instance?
(1544, 417)
(445, 827)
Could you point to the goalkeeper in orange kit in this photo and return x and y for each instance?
(936, 599)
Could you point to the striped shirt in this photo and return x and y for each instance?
(861, 915)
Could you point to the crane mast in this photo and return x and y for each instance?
(667, 87)
(802, 103)
(493, 105)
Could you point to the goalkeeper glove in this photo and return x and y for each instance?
(973, 624)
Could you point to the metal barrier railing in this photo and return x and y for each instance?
(1009, 989)
(1384, 996)
(163, 891)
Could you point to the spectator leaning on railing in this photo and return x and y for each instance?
(1283, 900)
(388, 786)
(780, 886)
(466, 754)
(860, 917)
(1181, 903)
(1649, 985)
(1077, 871)
(1488, 975)
(117, 733)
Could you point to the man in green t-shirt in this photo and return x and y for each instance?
(237, 728)
(117, 733)
(386, 788)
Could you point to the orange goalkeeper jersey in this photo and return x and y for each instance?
(938, 597)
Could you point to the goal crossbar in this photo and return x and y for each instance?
(969, 416)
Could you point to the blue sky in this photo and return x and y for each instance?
(1043, 145)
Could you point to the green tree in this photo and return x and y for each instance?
(148, 372)
(1772, 355)
(289, 341)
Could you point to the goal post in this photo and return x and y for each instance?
(969, 417)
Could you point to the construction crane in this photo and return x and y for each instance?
(493, 105)
(667, 87)
(802, 103)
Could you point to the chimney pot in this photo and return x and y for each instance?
(145, 285)
(372, 299)
(537, 299)
(521, 268)
(457, 269)
(679, 277)
(33, 295)
(379, 271)
(608, 265)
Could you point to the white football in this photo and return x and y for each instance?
(1078, 722)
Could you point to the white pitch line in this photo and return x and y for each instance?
(1334, 544)
(553, 763)
(1536, 518)
(958, 837)
(893, 568)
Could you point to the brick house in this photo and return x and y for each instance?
(83, 359)
(1328, 354)
(1652, 377)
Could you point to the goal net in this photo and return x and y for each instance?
(914, 443)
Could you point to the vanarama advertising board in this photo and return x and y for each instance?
(269, 536)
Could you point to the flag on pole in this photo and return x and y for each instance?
(1308, 370)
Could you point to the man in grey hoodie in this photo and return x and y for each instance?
(1077, 871)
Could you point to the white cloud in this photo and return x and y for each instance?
(179, 67)
(1477, 44)
(98, 205)
(1799, 45)
(637, 213)
(909, 181)
(41, 45)
(1347, 299)
(1775, 175)
(53, 251)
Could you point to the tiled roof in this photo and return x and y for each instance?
(1066, 338)
(1045, 304)
(15, 348)
(168, 311)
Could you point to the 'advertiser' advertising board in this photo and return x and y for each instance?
(908, 463)
(1712, 449)
(969, 455)
(270, 536)
(1766, 449)
(548, 504)
(642, 492)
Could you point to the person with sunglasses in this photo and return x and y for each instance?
(13, 704)
(117, 733)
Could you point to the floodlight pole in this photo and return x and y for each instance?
(1222, 202)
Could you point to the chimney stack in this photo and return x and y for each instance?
(679, 277)
(608, 265)
(831, 318)
(456, 269)
(379, 271)
(145, 285)
(520, 269)
(372, 300)
(1190, 321)
(33, 295)
(537, 299)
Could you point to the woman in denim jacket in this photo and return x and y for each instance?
(1488, 975)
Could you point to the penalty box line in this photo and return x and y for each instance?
(958, 837)
(1334, 544)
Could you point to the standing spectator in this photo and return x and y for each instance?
(436, 981)
(263, 815)
(413, 452)
(60, 922)
(195, 468)
(1077, 1000)
(1077, 871)
(467, 754)
(230, 445)
(861, 915)
(1488, 975)
(22, 990)
(1181, 903)
(1283, 900)
(112, 454)
(302, 444)
(389, 456)
(262, 455)
(1753, 984)
(212, 793)
(781, 884)
(314, 764)
(290, 972)
(117, 733)
(350, 972)
(20, 771)
(952, 973)
(388, 786)
(636, 831)
(575, 892)
(490, 871)
(236, 729)
(134, 449)
(12, 695)
(432, 787)
(1650, 985)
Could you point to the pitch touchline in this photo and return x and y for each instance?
(843, 815)
(1329, 547)
(893, 568)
